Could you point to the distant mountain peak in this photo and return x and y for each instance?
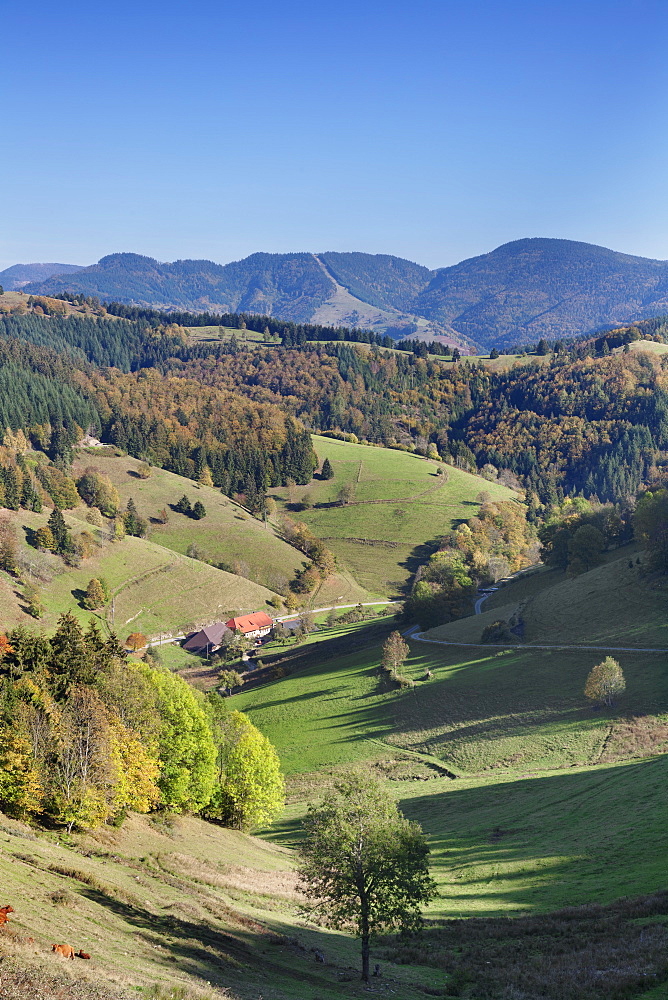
(517, 293)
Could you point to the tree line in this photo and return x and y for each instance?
(86, 735)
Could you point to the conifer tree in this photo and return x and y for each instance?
(62, 540)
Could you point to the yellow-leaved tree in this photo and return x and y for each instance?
(605, 681)
(249, 789)
(20, 787)
(137, 771)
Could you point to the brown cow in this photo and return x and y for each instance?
(4, 914)
(82, 954)
(66, 950)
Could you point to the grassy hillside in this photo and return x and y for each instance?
(228, 534)
(169, 909)
(536, 766)
(155, 589)
(400, 505)
(612, 605)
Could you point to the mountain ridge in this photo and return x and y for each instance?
(517, 293)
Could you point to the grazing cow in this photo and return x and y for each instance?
(4, 914)
(82, 954)
(66, 950)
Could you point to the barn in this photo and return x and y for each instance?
(208, 639)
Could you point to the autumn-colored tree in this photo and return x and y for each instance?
(9, 549)
(395, 651)
(81, 775)
(94, 598)
(20, 787)
(32, 595)
(98, 491)
(205, 477)
(136, 641)
(137, 771)
(605, 682)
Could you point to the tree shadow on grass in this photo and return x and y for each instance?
(418, 556)
(204, 951)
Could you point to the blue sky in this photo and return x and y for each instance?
(434, 130)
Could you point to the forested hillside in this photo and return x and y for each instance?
(18, 275)
(536, 288)
(577, 423)
(591, 418)
(516, 294)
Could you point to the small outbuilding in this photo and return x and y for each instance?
(208, 640)
(251, 626)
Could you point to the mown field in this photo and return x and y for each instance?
(399, 507)
(615, 604)
(228, 534)
(225, 333)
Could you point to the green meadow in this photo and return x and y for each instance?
(550, 801)
(228, 535)
(400, 505)
(155, 590)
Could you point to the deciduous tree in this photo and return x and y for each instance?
(249, 787)
(363, 865)
(605, 682)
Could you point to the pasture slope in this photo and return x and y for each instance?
(228, 535)
(168, 908)
(400, 506)
(549, 802)
(155, 589)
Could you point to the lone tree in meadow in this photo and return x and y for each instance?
(346, 494)
(395, 651)
(95, 596)
(364, 865)
(605, 682)
(327, 472)
(198, 511)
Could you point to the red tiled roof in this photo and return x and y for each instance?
(249, 623)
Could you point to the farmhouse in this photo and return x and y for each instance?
(252, 626)
(208, 639)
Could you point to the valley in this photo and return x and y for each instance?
(202, 477)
